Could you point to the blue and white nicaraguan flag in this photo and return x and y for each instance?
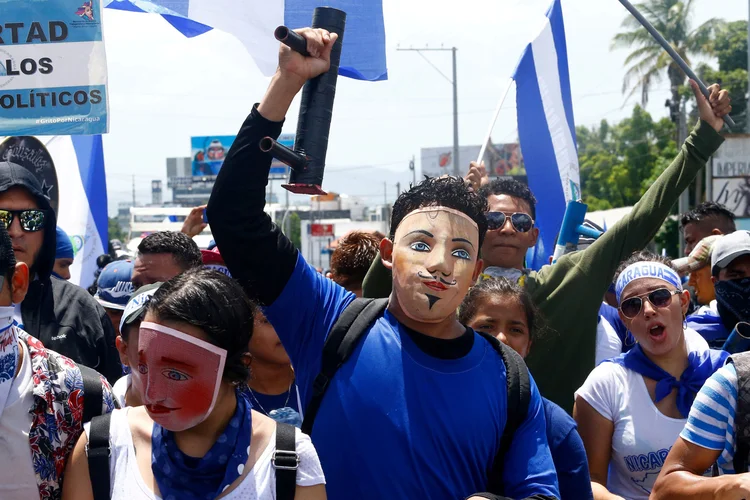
(546, 130)
(254, 21)
(71, 171)
(53, 68)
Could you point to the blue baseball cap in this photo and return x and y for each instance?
(64, 249)
(115, 286)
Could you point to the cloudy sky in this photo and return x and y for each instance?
(165, 88)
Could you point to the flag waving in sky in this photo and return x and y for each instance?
(253, 23)
(546, 130)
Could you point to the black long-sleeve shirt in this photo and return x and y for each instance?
(258, 254)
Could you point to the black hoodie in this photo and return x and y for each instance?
(63, 316)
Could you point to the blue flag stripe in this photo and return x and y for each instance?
(363, 55)
(561, 47)
(90, 154)
(542, 151)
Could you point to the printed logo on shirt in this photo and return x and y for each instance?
(651, 463)
(647, 480)
(60, 337)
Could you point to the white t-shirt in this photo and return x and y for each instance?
(121, 388)
(126, 482)
(608, 343)
(17, 478)
(642, 435)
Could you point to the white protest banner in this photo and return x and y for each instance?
(53, 68)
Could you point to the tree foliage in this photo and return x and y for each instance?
(730, 47)
(115, 231)
(648, 60)
(619, 162)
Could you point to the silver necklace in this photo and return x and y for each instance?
(286, 403)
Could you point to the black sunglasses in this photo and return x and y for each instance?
(520, 221)
(659, 298)
(32, 220)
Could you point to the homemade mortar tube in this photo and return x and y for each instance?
(307, 160)
(739, 339)
(672, 53)
(291, 39)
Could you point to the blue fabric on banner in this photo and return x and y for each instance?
(701, 365)
(365, 34)
(90, 154)
(363, 57)
(536, 141)
(174, 12)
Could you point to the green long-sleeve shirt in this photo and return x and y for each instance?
(570, 292)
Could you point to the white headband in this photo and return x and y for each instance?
(641, 270)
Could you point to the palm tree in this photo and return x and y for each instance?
(649, 60)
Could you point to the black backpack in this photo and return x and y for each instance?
(350, 328)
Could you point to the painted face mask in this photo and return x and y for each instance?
(733, 301)
(178, 375)
(434, 258)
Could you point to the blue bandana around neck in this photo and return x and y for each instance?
(701, 365)
(182, 477)
(708, 324)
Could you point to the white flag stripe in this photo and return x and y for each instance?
(252, 26)
(545, 63)
(70, 65)
(74, 215)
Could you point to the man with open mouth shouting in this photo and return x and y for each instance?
(419, 407)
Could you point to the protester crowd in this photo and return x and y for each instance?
(428, 363)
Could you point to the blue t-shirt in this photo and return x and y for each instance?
(266, 403)
(568, 454)
(398, 423)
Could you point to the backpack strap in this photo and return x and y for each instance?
(98, 453)
(92, 393)
(741, 364)
(519, 396)
(341, 342)
(285, 461)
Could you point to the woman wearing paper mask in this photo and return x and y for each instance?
(631, 408)
(196, 436)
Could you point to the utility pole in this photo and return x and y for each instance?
(398, 189)
(454, 82)
(413, 168)
(385, 193)
(133, 177)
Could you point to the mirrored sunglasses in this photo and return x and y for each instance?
(520, 221)
(659, 298)
(31, 220)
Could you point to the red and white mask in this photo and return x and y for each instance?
(178, 375)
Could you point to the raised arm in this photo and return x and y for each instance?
(255, 250)
(599, 262)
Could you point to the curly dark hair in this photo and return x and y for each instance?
(352, 258)
(185, 252)
(216, 304)
(710, 211)
(502, 287)
(641, 256)
(510, 187)
(451, 192)
(7, 257)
